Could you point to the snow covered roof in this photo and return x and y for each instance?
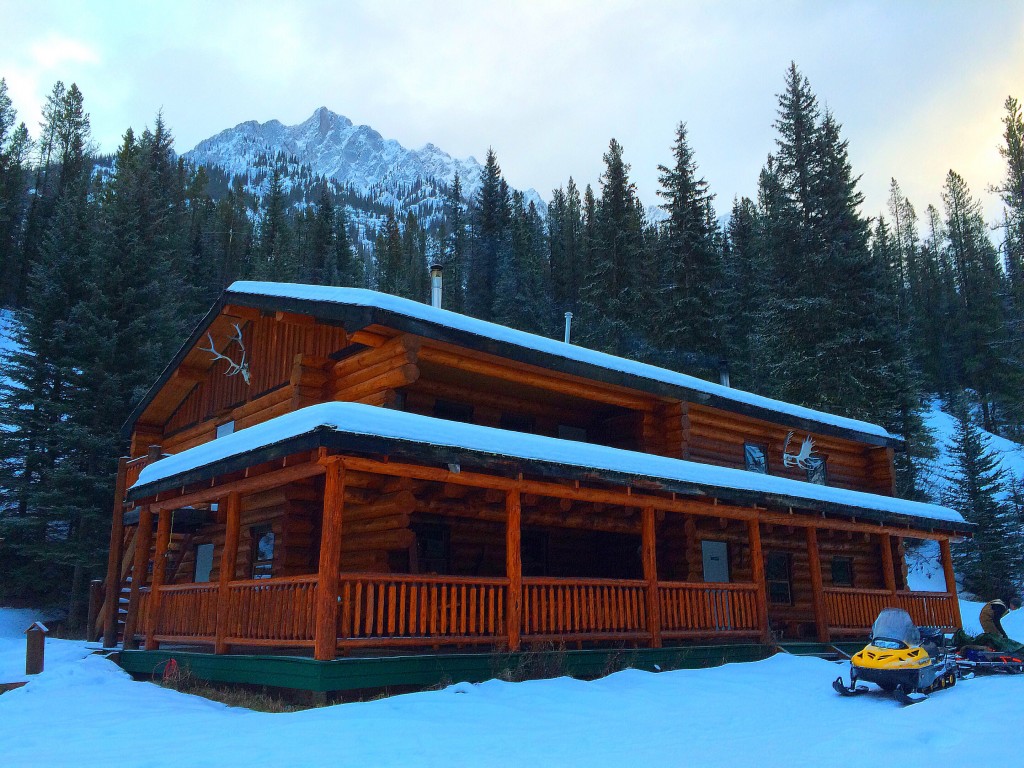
(355, 427)
(549, 353)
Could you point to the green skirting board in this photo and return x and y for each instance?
(355, 673)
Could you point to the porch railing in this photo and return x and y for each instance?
(698, 610)
(272, 611)
(188, 612)
(851, 611)
(588, 608)
(399, 609)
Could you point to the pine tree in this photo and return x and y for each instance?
(688, 276)
(453, 249)
(611, 290)
(489, 239)
(979, 327)
(989, 563)
(15, 146)
(1012, 192)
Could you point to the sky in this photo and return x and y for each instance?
(919, 87)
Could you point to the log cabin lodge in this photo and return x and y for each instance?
(327, 474)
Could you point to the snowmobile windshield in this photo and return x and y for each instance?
(896, 624)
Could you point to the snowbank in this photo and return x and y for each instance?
(779, 712)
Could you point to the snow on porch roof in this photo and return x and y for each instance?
(636, 373)
(405, 434)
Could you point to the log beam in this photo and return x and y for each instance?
(228, 563)
(649, 550)
(113, 585)
(513, 568)
(757, 574)
(143, 537)
(888, 571)
(163, 539)
(947, 570)
(817, 588)
(326, 633)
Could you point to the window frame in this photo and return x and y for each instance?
(772, 581)
(748, 444)
(257, 564)
(847, 561)
(820, 465)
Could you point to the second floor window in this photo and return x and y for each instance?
(452, 411)
(817, 472)
(755, 458)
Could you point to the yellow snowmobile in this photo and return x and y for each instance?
(901, 658)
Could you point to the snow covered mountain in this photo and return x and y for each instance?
(356, 156)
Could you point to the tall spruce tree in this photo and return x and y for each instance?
(990, 562)
(489, 239)
(686, 311)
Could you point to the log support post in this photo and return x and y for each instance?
(112, 591)
(163, 539)
(143, 537)
(648, 546)
(947, 570)
(817, 588)
(228, 563)
(326, 634)
(888, 569)
(513, 568)
(757, 573)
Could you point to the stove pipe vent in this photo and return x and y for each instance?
(435, 285)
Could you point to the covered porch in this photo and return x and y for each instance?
(409, 545)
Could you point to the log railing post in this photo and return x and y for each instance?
(228, 563)
(888, 569)
(513, 568)
(163, 539)
(817, 588)
(143, 537)
(113, 588)
(326, 634)
(947, 570)
(649, 550)
(757, 573)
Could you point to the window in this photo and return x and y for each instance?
(262, 551)
(569, 432)
(755, 458)
(842, 571)
(716, 561)
(517, 422)
(227, 428)
(446, 409)
(817, 472)
(203, 562)
(433, 548)
(778, 573)
(533, 546)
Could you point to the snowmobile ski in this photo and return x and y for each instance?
(853, 690)
(906, 698)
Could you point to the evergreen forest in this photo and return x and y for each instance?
(107, 262)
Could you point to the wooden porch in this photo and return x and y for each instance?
(334, 611)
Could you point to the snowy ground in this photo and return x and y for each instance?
(84, 711)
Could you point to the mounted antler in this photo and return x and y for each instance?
(803, 459)
(234, 368)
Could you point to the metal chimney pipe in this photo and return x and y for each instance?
(568, 326)
(435, 285)
(723, 373)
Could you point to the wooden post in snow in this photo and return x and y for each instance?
(163, 538)
(757, 571)
(947, 570)
(143, 537)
